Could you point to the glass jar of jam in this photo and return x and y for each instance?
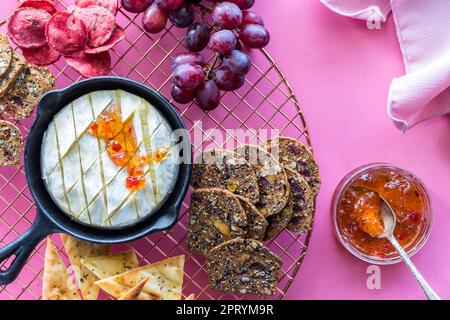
(356, 212)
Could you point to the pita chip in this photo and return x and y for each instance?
(190, 297)
(76, 250)
(134, 292)
(57, 284)
(165, 280)
(107, 266)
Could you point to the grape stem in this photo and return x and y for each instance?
(212, 66)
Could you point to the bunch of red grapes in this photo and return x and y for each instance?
(223, 26)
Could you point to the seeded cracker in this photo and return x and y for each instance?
(296, 156)
(215, 216)
(244, 266)
(219, 169)
(301, 203)
(272, 181)
(32, 83)
(6, 55)
(10, 144)
(17, 65)
(257, 224)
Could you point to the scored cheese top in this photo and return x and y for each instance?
(81, 172)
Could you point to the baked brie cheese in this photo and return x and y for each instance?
(107, 159)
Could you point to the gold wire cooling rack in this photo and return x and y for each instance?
(266, 101)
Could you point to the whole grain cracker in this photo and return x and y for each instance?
(296, 156)
(11, 143)
(257, 224)
(15, 69)
(219, 169)
(243, 265)
(215, 216)
(32, 83)
(272, 181)
(6, 55)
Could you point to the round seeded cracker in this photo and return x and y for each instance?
(296, 156)
(215, 216)
(10, 144)
(219, 169)
(245, 266)
(32, 83)
(257, 224)
(272, 181)
(6, 55)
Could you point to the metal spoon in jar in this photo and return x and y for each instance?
(389, 221)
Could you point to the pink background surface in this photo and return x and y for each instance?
(341, 72)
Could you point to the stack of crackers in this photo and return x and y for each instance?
(21, 86)
(117, 274)
(244, 197)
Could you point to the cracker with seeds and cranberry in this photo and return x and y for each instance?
(219, 169)
(296, 156)
(15, 69)
(10, 144)
(6, 55)
(32, 83)
(245, 266)
(257, 224)
(272, 181)
(215, 216)
(301, 203)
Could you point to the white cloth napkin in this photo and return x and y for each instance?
(423, 30)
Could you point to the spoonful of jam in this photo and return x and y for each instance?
(377, 219)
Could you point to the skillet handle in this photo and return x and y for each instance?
(22, 248)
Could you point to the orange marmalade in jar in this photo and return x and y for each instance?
(356, 212)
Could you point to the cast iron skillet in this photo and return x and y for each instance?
(49, 218)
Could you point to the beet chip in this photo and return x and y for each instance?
(90, 65)
(100, 23)
(111, 5)
(116, 37)
(42, 56)
(66, 33)
(27, 27)
(40, 4)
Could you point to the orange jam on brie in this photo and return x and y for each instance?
(122, 146)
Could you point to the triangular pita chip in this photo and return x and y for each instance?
(190, 297)
(165, 280)
(108, 266)
(64, 238)
(77, 250)
(134, 292)
(57, 283)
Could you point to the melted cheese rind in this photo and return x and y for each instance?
(81, 177)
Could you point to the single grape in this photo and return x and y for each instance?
(188, 76)
(238, 62)
(187, 57)
(182, 96)
(154, 19)
(242, 4)
(255, 36)
(227, 80)
(136, 6)
(197, 37)
(169, 5)
(183, 17)
(227, 15)
(251, 17)
(208, 95)
(223, 41)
